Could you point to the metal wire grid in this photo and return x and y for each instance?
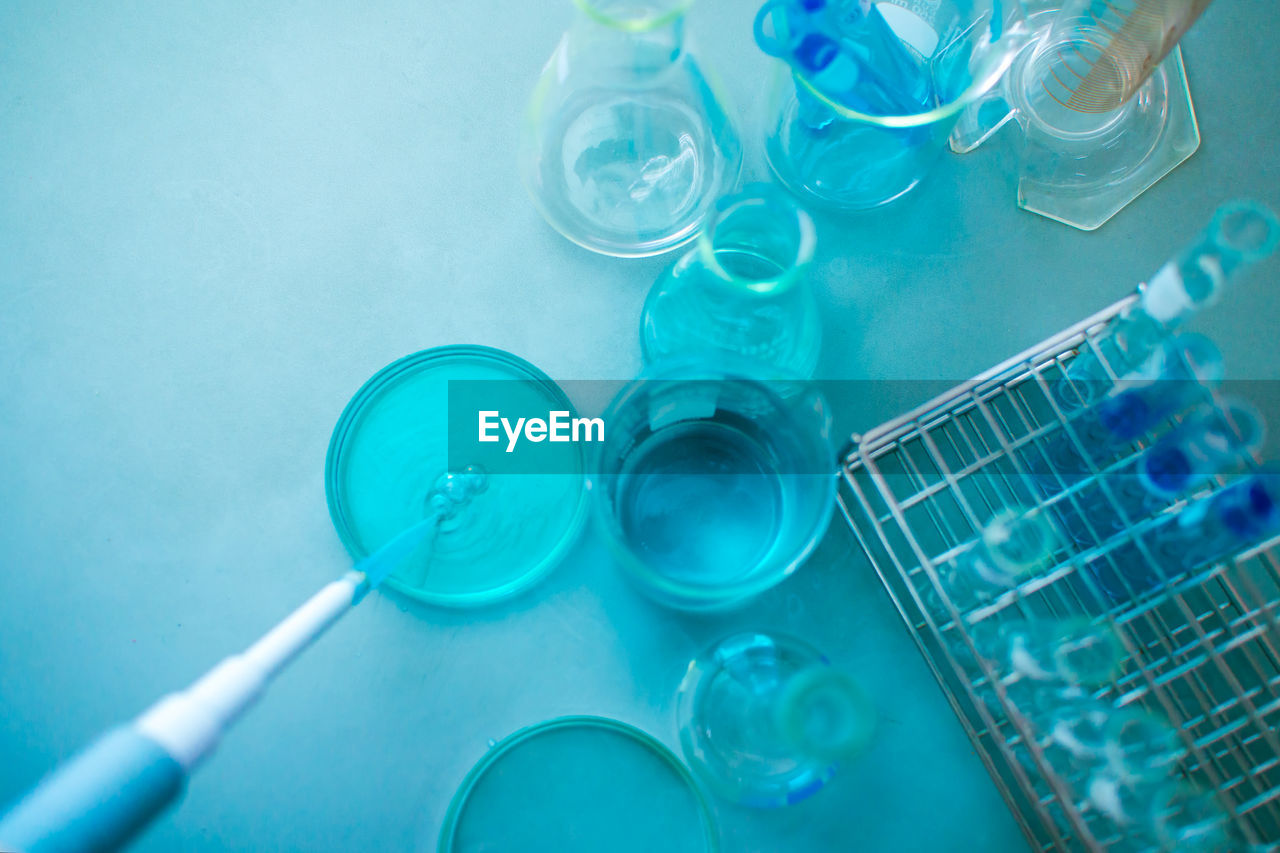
(1201, 649)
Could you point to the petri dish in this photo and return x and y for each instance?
(579, 785)
(390, 447)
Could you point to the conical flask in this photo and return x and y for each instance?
(766, 720)
(742, 289)
(626, 144)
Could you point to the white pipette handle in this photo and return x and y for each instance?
(109, 792)
(189, 724)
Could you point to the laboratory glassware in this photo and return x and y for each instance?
(1142, 747)
(966, 449)
(1187, 819)
(742, 290)
(1102, 117)
(713, 485)
(108, 793)
(1215, 439)
(1214, 528)
(1177, 377)
(1239, 235)
(765, 719)
(627, 143)
(1046, 662)
(1077, 651)
(393, 441)
(1071, 735)
(1013, 544)
(866, 94)
(579, 785)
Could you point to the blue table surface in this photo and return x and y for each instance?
(217, 221)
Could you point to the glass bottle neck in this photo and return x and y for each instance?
(641, 38)
(756, 244)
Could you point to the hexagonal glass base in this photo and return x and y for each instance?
(1084, 176)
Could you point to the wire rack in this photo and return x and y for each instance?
(1200, 649)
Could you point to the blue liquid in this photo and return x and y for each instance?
(702, 503)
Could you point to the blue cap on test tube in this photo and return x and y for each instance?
(1182, 368)
(1209, 443)
(1214, 439)
(847, 51)
(1241, 515)
(1174, 379)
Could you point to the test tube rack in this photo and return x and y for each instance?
(1202, 650)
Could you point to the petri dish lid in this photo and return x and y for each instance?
(579, 785)
(389, 449)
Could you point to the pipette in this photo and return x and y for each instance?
(104, 796)
(1105, 51)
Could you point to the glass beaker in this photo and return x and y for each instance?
(742, 290)
(711, 485)
(1103, 116)
(626, 143)
(829, 142)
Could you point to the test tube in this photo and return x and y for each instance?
(1206, 531)
(1074, 741)
(848, 51)
(1141, 747)
(1013, 545)
(1175, 379)
(1076, 651)
(1240, 234)
(1044, 663)
(1240, 515)
(1214, 440)
(1188, 819)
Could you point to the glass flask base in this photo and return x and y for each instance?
(630, 178)
(1082, 164)
(763, 719)
(1084, 182)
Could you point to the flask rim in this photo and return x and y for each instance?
(790, 217)
(665, 12)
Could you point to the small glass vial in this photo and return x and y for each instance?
(742, 290)
(765, 719)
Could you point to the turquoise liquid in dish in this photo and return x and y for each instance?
(389, 450)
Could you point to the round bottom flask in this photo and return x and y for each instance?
(765, 720)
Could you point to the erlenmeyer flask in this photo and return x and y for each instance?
(626, 144)
(742, 289)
